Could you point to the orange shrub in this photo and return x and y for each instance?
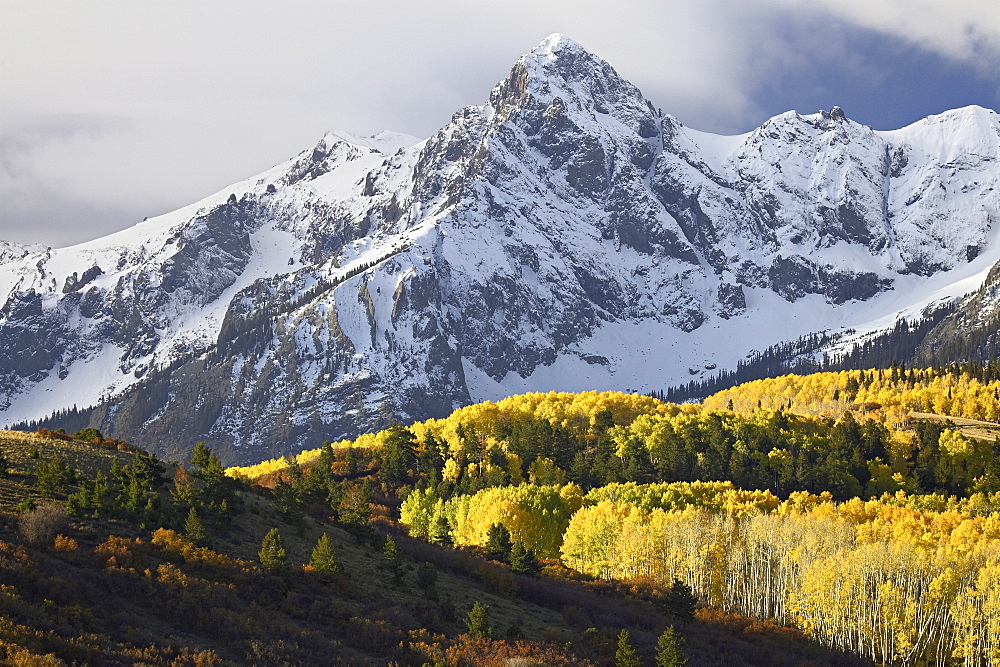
(63, 543)
(120, 552)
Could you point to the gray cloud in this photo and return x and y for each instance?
(115, 110)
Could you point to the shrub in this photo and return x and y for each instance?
(89, 434)
(40, 525)
(63, 543)
(121, 552)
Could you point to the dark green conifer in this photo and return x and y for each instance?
(194, 529)
(440, 530)
(478, 621)
(427, 576)
(391, 555)
(323, 559)
(200, 454)
(680, 602)
(273, 553)
(670, 649)
(523, 559)
(626, 655)
(497, 543)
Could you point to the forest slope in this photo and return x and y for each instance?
(118, 558)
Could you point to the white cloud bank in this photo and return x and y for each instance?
(115, 110)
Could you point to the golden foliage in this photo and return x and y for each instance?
(883, 578)
(888, 395)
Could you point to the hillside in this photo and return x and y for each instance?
(128, 576)
(873, 530)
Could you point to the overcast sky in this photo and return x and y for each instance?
(112, 111)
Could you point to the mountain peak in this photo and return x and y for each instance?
(561, 55)
(556, 43)
(561, 72)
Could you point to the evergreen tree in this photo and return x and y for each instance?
(323, 559)
(76, 503)
(680, 602)
(148, 470)
(134, 493)
(287, 502)
(398, 454)
(670, 649)
(440, 530)
(200, 454)
(626, 655)
(427, 577)
(321, 474)
(184, 492)
(4, 464)
(194, 529)
(497, 543)
(354, 507)
(54, 476)
(351, 461)
(391, 555)
(96, 491)
(478, 621)
(213, 474)
(273, 553)
(523, 559)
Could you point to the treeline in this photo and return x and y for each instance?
(899, 345)
(758, 436)
(69, 419)
(969, 390)
(795, 356)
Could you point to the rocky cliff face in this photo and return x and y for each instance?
(565, 235)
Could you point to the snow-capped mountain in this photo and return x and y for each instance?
(564, 235)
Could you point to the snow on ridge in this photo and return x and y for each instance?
(385, 141)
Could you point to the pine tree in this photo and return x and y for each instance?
(391, 555)
(670, 649)
(497, 543)
(194, 529)
(54, 476)
(478, 621)
(398, 454)
(4, 464)
(323, 559)
(200, 455)
(272, 551)
(626, 655)
(680, 602)
(440, 530)
(287, 501)
(427, 577)
(523, 559)
(184, 492)
(97, 490)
